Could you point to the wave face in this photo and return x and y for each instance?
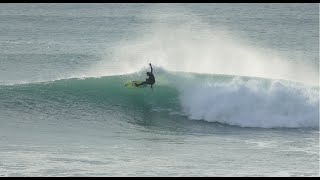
(231, 100)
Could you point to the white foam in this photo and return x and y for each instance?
(252, 103)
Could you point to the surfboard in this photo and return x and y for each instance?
(131, 84)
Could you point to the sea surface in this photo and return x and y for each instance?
(236, 92)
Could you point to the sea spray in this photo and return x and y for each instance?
(205, 49)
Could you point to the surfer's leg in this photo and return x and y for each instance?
(144, 82)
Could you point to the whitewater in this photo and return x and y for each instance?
(236, 93)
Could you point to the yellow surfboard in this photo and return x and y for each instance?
(131, 84)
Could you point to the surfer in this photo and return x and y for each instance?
(150, 80)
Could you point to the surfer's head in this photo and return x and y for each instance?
(148, 73)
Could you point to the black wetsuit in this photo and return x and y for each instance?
(150, 80)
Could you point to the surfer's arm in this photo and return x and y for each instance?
(150, 67)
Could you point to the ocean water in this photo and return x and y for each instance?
(236, 93)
